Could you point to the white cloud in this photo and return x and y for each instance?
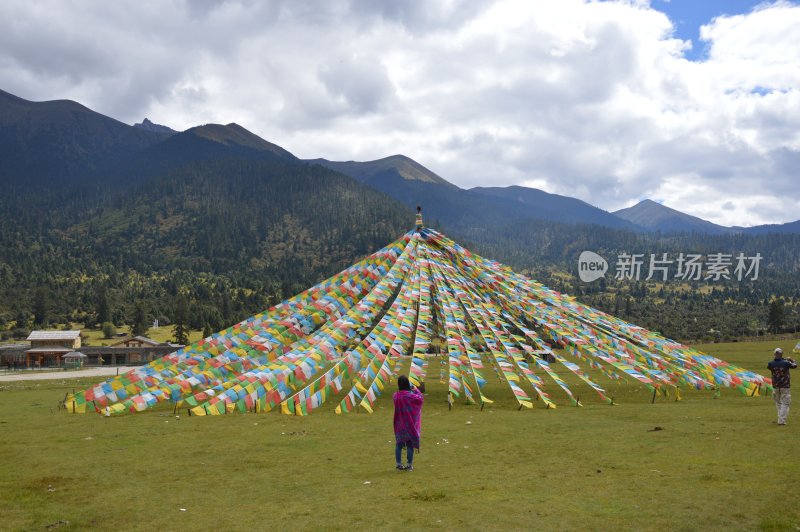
(594, 100)
(759, 49)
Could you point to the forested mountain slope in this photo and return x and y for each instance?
(101, 221)
(96, 214)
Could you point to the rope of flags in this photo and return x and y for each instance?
(350, 334)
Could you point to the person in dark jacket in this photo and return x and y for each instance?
(780, 382)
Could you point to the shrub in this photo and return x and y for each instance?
(20, 333)
(108, 330)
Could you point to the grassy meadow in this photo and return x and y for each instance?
(162, 334)
(700, 463)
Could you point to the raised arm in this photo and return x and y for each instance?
(417, 397)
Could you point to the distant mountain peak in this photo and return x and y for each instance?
(411, 170)
(147, 125)
(654, 216)
(648, 201)
(16, 109)
(390, 167)
(235, 135)
(59, 142)
(400, 158)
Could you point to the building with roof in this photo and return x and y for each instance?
(137, 341)
(48, 347)
(12, 355)
(135, 350)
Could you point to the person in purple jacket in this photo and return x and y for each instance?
(407, 421)
(780, 383)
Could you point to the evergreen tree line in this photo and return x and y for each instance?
(213, 242)
(204, 247)
(679, 309)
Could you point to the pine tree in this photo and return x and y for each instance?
(140, 325)
(181, 328)
(40, 307)
(226, 310)
(21, 319)
(103, 309)
(776, 316)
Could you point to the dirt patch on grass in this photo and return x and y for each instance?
(426, 496)
(50, 483)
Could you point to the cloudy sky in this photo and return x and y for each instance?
(693, 104)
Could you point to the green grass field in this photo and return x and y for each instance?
(162, 334)
(715, 464)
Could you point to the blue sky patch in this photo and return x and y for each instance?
(689, 15)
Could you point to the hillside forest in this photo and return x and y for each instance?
(102, 223)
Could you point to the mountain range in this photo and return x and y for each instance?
(214, 214)
(654, 216)
(408, 181)
(232, 222)
(45, 141)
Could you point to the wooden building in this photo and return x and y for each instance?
(12, 356)
(138, 349)
(47, 347)
(136, 341)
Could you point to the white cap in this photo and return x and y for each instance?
(778, 351)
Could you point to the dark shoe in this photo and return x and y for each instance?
(401, 467)
(409, 467)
